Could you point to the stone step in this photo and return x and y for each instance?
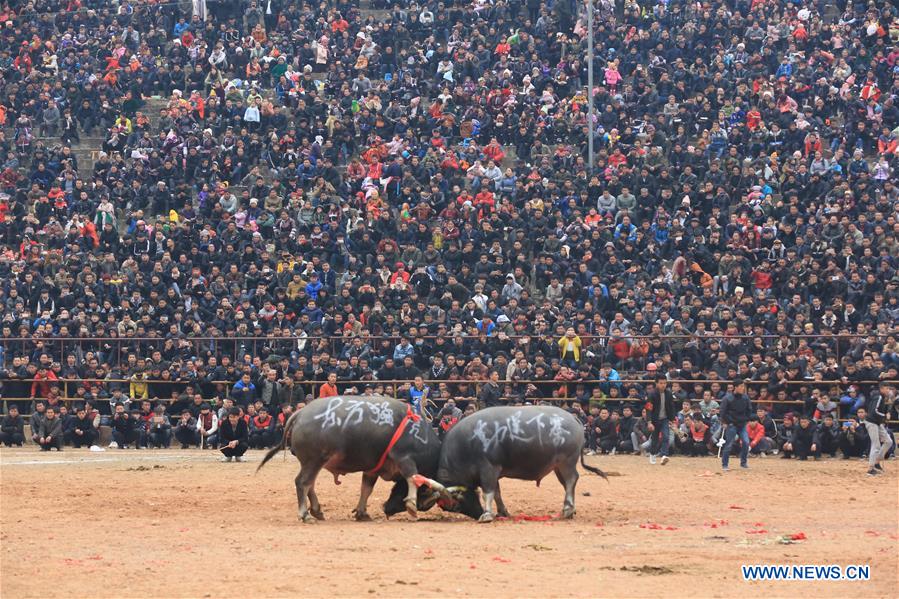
(377, 13)
(88, 143)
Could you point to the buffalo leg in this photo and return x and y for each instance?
(490, 486)
(568, 476)
(500, 506)
(368, 485)
(396, 502)
(315, 508)
(408, 469)
(304, 482)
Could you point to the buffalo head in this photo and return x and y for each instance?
(455, 498)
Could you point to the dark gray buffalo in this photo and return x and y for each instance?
(525, 442)
(346, 434)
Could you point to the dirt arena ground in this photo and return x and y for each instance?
(181, 524)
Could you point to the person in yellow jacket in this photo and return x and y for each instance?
(139, 389)
(570, 348)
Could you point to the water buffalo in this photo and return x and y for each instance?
(525, 442)
(346, 434)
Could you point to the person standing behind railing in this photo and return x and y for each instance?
(43, 381)
(570, 348)
(490, 394)
(418, 395)
(329, 389)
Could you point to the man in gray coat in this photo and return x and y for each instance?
(50, 434)
(50, 120)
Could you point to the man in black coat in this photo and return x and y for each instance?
(12, 429)
(803, 441)
(124, 429)
(80, 431)
(625, 428)
(606, 432)
(661, 414)
(234, 436)
(829, 436)
(736, 410)
(854, 441)
(490, 394)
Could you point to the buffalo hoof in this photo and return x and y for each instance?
(486, 517)
(317, 514)
(307, 518)
(412, 509)
(503, 514)
(361, 516)
(567, 514)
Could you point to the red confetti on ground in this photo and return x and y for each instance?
(758, 524)
(873, 533)
(528, 518)
(716, 523)
(472, 567)
(429, 552)
(501, 560)
(736, 507)
(798, 536)
(760, 531)
(183, 529)
(95, 557)
(600, 524)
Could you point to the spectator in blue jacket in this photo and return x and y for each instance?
(244, 391)
(313, 286)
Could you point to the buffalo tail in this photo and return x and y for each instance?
(280, 446)
(586, 467)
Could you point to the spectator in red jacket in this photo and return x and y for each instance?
(759, 444)
(697, 435)
(44, 380)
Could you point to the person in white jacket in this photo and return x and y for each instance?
(207, 426)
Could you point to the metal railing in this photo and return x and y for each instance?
(560, 391)
(115, 350)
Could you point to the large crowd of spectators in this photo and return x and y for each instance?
(335, 200)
